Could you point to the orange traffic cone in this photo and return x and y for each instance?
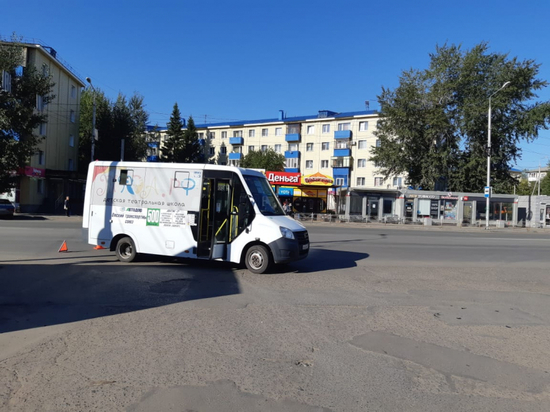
(63, 247)
(98, 247)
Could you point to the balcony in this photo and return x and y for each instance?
(341, 162)
(292, 154)
(236, 141)
(342, 134)
(235, 155)
(342, 152)
(292, 137)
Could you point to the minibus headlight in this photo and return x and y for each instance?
(286, 232)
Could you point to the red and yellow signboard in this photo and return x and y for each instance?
(317, 179)
(283, 178)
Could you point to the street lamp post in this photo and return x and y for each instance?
(93, 119)
(488, 187)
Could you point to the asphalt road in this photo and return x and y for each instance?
(378, 318)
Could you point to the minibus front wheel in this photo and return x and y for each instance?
(258, 259)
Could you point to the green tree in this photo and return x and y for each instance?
(137, 149)
(173, 143)
(524, 188)
(103, 119)
(268, 160)
(18, 115)
(433, 126)
(545, 185)
(115, 121)
(193, 148)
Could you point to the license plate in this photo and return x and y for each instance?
(306, 246)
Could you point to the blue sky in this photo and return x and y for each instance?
(249, 59)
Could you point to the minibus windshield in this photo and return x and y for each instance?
(264, 196)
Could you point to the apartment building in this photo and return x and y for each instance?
(536, 175)
(51, 174)
(329, 152)
(330, 143)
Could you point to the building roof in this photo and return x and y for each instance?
(323, 114)
(50, 51)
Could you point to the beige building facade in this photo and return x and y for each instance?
(51, 174)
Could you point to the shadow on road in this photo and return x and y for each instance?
(36, 295)
(326, 259)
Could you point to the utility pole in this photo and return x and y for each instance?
(94, 131)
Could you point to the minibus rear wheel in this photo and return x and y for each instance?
(125, 249)
(257, 259)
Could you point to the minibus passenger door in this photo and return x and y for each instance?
(222, 221)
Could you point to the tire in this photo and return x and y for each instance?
(125, 250)
(257, 259)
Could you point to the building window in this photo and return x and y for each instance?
(6, 81)
(40, 103)
(292, 163)
(223, 149)
(294, 129)
(293, 147)
(311, 129)
(237, 133)
(264, 148)
(378, 181)
(224, 135)
(326, 128)
(252, 133)
(362, 144)
(72, 116)
(397, 181)
(71, 140)
(278, 131)
(344, 126)
(73, 92)
(278, 148)
(250, 149)
(363, 126)
(309, 147)
(378, 143)
(40, 157)
(40, 186)
(212, 135)
(339, 181)
(264, 133)
(201, 135)
(211, 151)
(309, 164)
(70, 164)
(325, 146)
(361, 162)
(324, 164)
(42, 130)
(360, 181)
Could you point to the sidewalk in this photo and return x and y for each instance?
(401, 226)
(43, 216)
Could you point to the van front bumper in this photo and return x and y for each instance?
(289, 250)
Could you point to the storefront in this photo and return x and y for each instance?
(306, 194)
(373, 204)
(415, 206)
